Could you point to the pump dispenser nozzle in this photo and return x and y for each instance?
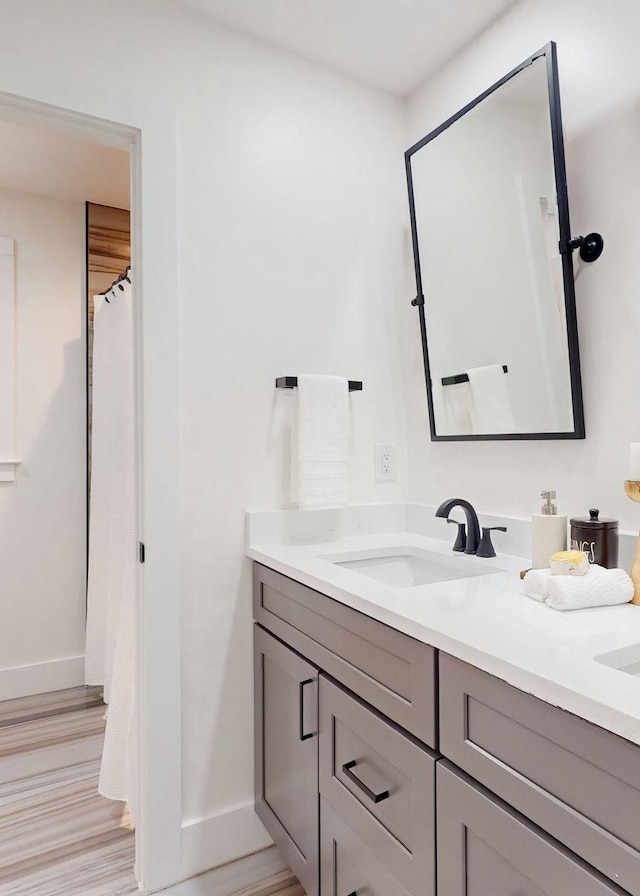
(548, 532)
(548, 508)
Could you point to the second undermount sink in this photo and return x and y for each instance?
(626, 659)
(405, 567)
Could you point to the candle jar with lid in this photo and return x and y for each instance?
(597, 536)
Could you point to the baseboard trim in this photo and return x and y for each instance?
(222, 838)
(241, 875)
(41, 678)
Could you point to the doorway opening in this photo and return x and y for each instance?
(52, 726)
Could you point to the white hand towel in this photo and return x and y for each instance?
(320, 442)
(490, 408)
(602, 589)
(535, 583)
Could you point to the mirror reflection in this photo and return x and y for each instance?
(499, 332)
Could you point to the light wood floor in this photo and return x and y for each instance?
(282, 884)
(57, 834)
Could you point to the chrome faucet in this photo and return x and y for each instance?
(473, 526)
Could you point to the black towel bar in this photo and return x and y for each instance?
(462, 378)
(291, 382)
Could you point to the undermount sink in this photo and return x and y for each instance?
(406, 567)
(626, 659)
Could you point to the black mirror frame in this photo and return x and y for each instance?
(550, 53)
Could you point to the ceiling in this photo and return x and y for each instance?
(52, 163)
(394, 45)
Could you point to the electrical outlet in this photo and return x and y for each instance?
(385, 463)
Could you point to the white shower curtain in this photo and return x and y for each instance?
(112, 593)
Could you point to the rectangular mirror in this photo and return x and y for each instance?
(495, 296)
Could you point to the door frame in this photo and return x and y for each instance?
(151, 139)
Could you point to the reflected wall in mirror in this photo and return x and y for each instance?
(489, 209)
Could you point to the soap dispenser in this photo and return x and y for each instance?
(548, 532)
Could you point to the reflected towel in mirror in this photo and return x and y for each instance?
(457, 401)
(490, 404)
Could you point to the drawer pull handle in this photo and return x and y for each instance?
(354, 893)
(374, 797)
(304, 736)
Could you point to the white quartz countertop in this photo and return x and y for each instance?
(485, 620)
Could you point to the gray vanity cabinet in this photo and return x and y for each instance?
(538, 802)
(487, 849)
(376, 778)
(286, 754)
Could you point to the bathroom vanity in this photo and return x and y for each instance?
(386, 764)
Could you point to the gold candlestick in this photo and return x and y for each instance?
(632, 490)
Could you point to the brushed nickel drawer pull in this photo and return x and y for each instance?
(374, 797)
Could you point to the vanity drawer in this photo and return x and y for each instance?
(390, 670)
(485, 848)
(381, 783)
(347, 866)
(576, 781)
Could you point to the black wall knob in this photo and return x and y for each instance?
(592, 247)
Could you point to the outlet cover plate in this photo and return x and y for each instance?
(385, 462)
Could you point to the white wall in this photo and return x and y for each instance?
(293, 202)
(43, 512)
(600, 90)
(291, 211)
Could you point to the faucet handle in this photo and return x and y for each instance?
(461, 538)
(486, 549)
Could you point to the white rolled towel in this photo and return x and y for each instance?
(598, 588)
(535, 583)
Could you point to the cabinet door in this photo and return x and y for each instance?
(286, 757)
(349, 868)
(486, 849)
